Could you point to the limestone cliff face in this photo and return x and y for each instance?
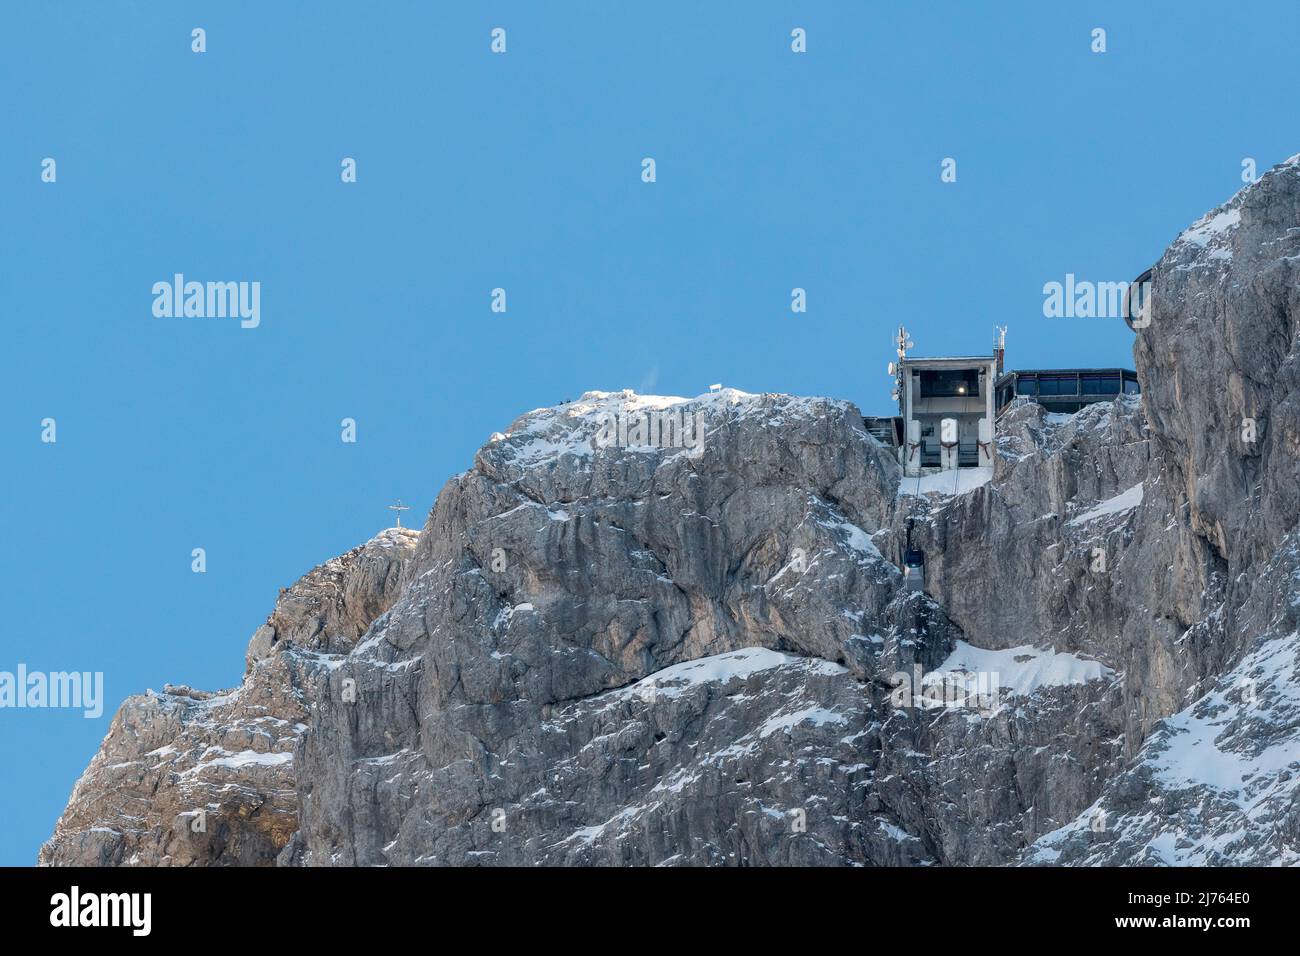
(1216, 551)
(193, 778)
(642, 653)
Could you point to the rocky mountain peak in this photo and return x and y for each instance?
(653, 630)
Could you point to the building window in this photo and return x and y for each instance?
(1058, 384)
(950, 383)
(1104, 384)
(1026, 385)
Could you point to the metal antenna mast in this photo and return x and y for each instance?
(904, 342)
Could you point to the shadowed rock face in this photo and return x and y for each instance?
(641, 653)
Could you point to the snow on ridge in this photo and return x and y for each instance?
(1215, 228)
(1020, 670)
(1126, 500)
(1211, 226)
(545, 434)
(391, 537)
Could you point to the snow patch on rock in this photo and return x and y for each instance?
(1020, 670)
(1126, 500)
(958, 481)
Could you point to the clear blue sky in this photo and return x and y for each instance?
(475, 171)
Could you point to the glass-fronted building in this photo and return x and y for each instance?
(1065, 389)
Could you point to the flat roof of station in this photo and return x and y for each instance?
(947, 360)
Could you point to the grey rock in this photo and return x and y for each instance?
(648, 654)
(190, 777)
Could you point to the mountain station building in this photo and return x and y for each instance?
(948, 407)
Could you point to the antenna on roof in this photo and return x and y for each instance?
(903, 341)
(999, 344)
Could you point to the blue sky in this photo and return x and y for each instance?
(521, 171)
